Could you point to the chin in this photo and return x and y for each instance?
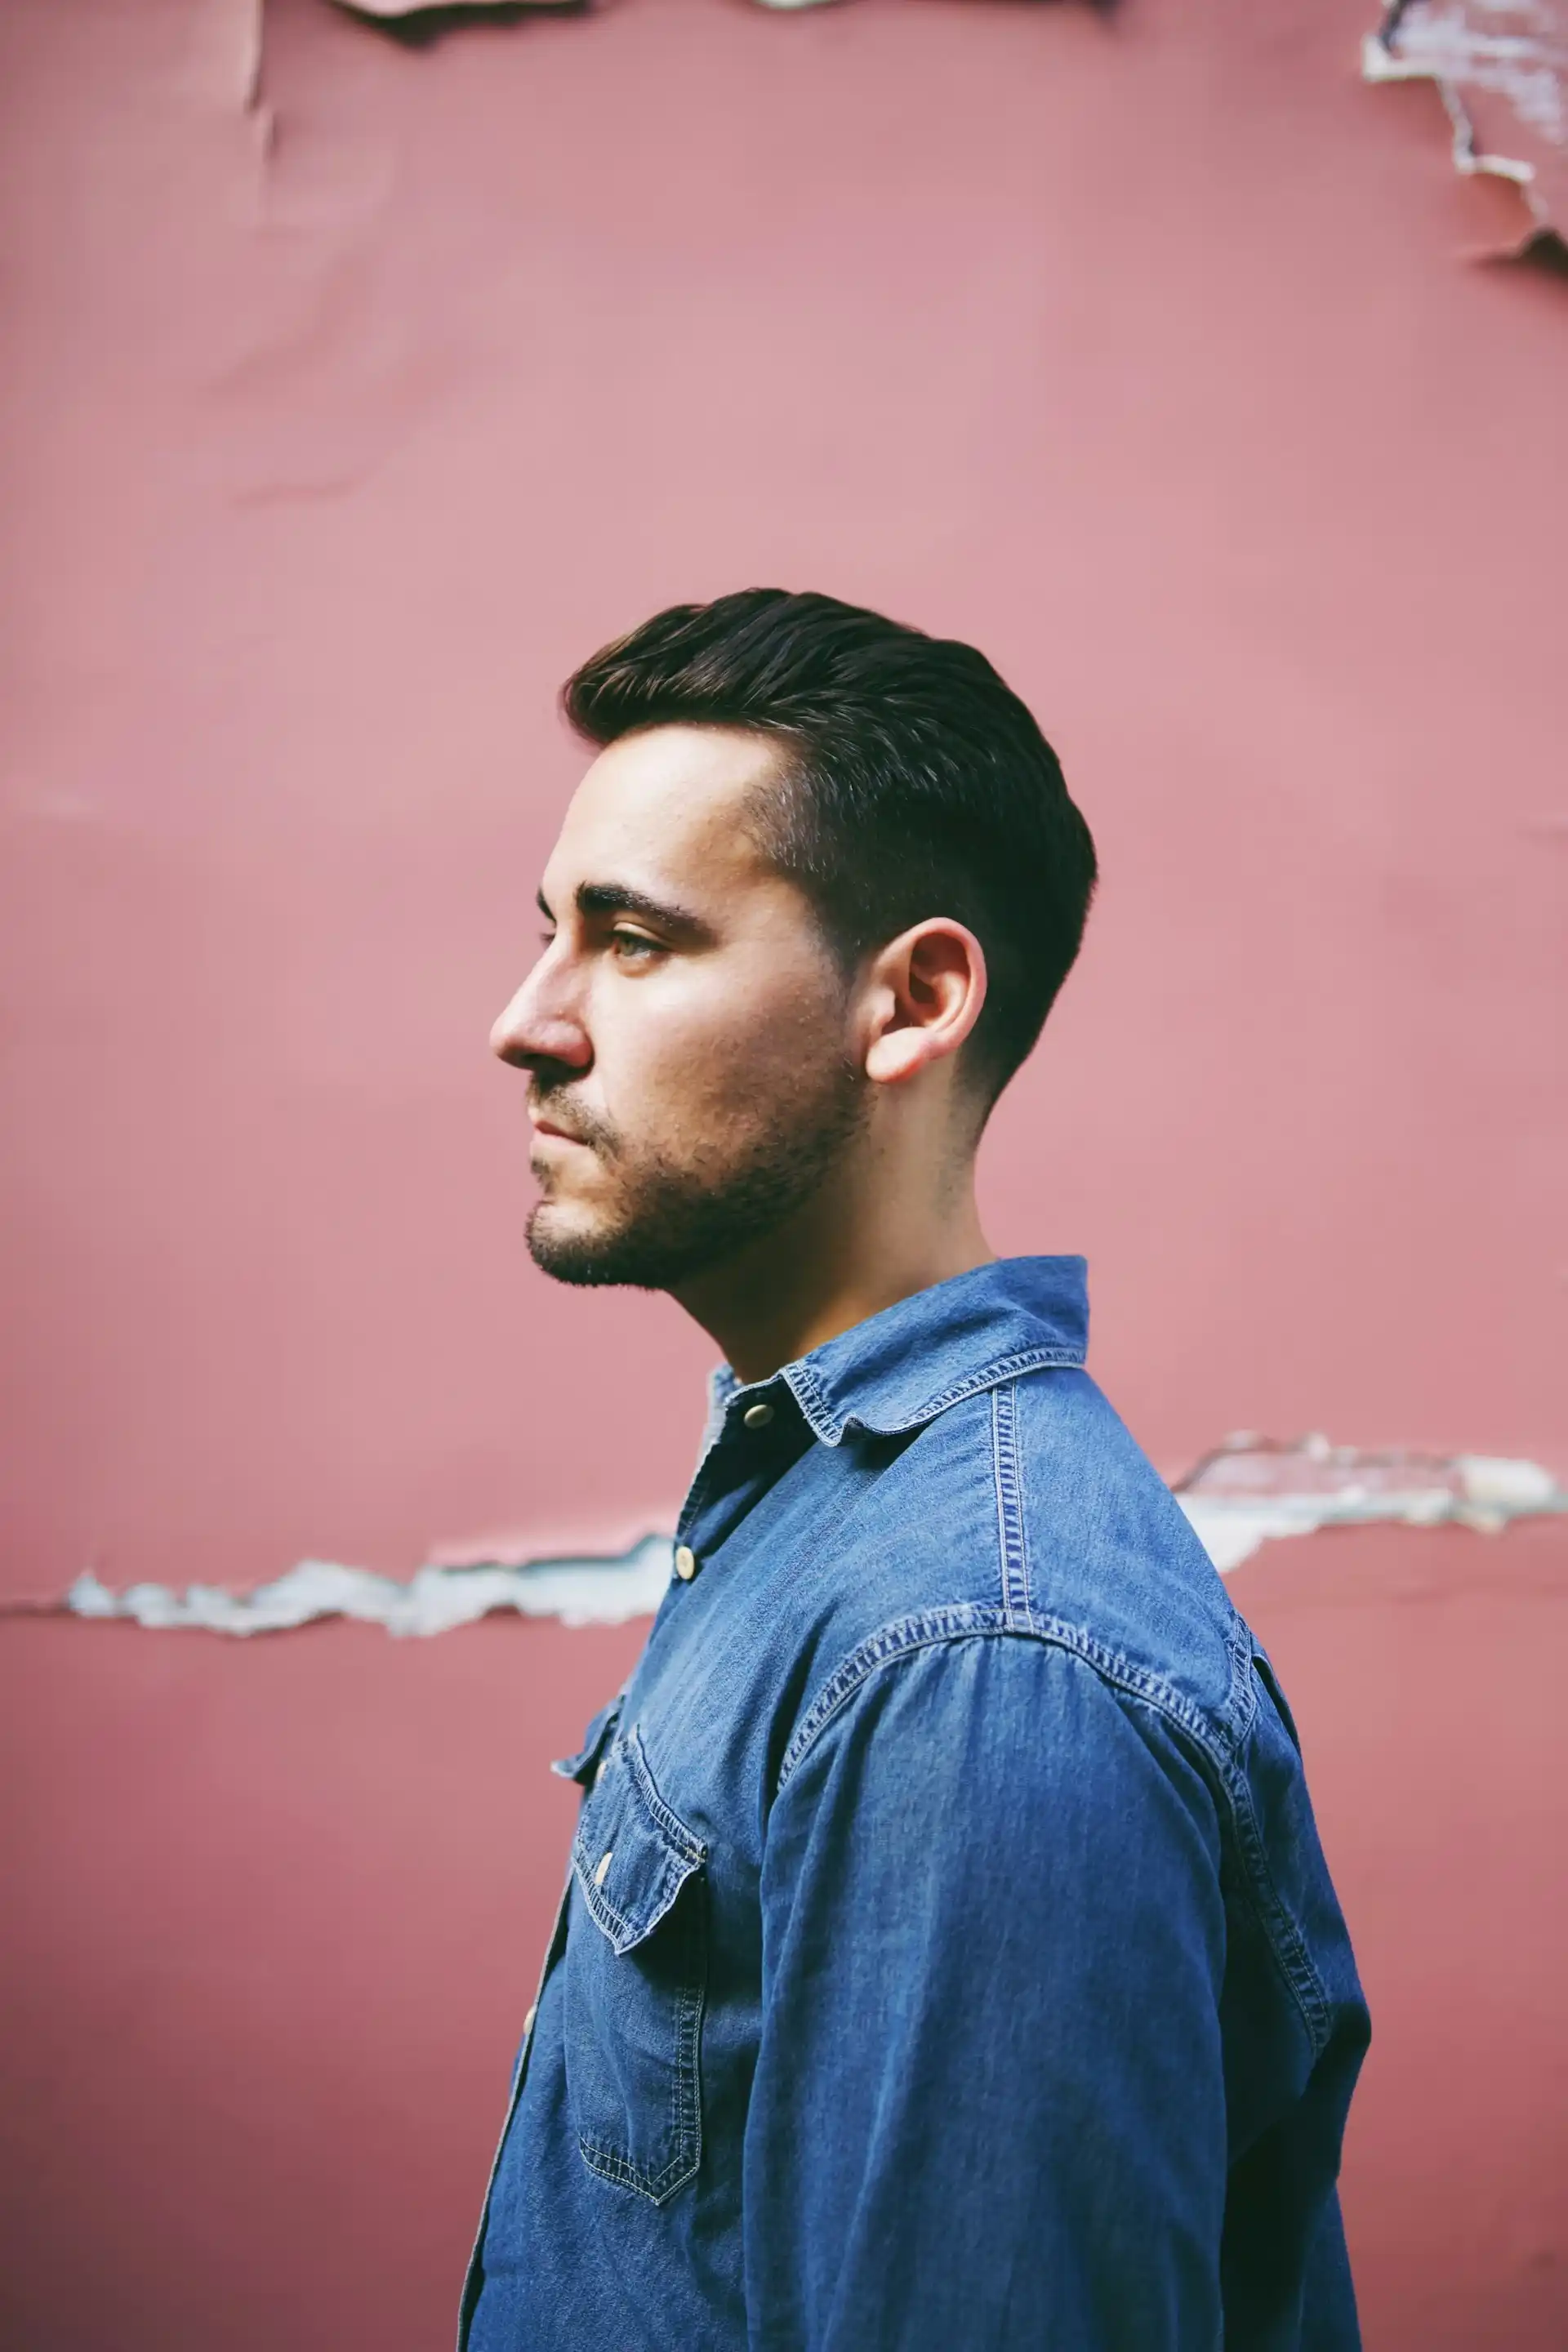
(572, 1249)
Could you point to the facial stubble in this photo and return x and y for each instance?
(676, 1219)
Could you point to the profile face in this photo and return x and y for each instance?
(686, 1029)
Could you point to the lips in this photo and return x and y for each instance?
(549, 1126)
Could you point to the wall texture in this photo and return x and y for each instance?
(354, 388)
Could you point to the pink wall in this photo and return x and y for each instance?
(1138, 350)
(275, 1909)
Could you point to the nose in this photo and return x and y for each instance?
(539, 1027)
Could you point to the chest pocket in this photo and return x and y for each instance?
(635, 1970)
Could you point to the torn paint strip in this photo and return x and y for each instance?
(579, 1591)
(1254, 1490)
(1250, 1491)
(1500, 67)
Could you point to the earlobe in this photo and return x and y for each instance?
(895, 1055)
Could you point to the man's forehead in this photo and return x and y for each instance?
(670, 799)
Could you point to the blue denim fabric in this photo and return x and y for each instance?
(948, 1959)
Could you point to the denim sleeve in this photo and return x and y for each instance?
(988, 2108)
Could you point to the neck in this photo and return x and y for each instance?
(856, 1248)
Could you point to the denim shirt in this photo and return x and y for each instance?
(948, 1960)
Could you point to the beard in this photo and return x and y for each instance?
(674, 1219)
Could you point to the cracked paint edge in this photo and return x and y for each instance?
(1447, 68)
(1252, 1490)
(580, 1591)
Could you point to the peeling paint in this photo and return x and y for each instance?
(1250, 1491)
(579, 1591)
(1500, 67)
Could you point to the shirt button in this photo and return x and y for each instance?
(603, 1872)
(685, 1563)
(757, 1416)
(527, 2020)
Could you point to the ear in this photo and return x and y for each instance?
(924, 992)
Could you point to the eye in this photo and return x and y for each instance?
(634, 946)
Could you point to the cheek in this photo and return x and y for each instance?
(745, 1071)
(705, 1064)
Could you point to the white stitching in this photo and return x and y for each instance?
(1015, 1603)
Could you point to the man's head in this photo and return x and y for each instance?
(814, 897)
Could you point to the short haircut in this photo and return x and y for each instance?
(914, 783)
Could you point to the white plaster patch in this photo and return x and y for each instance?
(1500, 67)
(1253, 1489)
(582, 1591)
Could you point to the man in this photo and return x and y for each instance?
(948, 1960)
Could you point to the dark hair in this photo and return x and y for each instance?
(916, 782)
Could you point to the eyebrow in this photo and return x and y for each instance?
(618, 899)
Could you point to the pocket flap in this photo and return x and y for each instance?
(581, 1766)
(631, 1855)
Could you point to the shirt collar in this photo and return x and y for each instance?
(909, 1363)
